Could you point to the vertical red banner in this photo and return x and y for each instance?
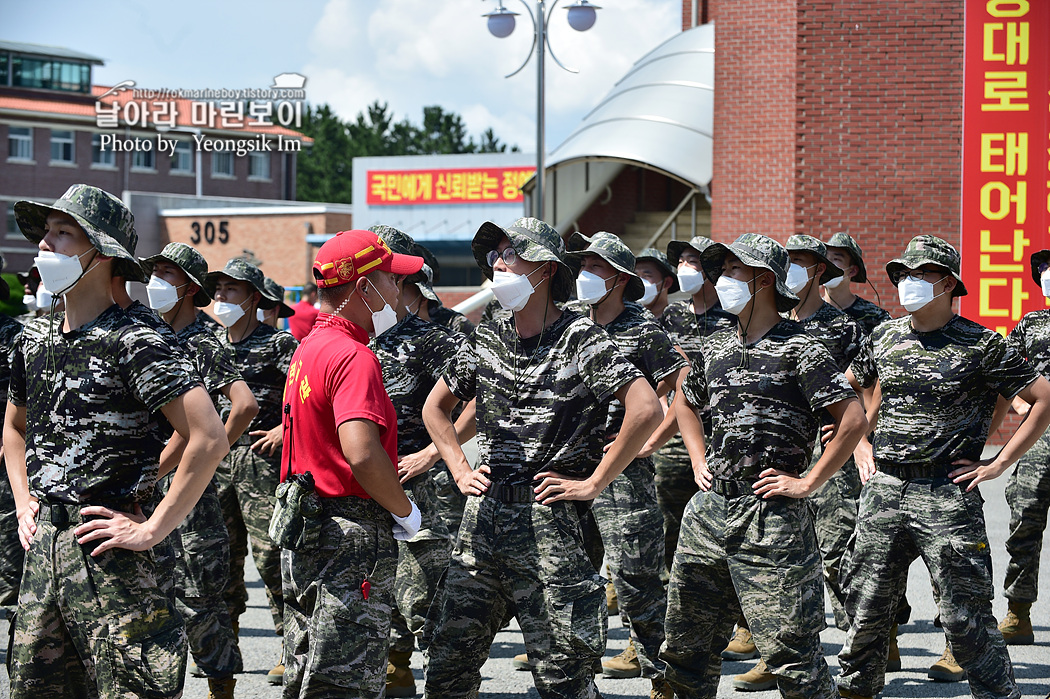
(1006, 164)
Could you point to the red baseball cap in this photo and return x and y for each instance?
(351, 255)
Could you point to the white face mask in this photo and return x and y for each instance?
(590, 287)
(228, 313)
(798, 277)
(512, 290)
(162, 295)
(1044, 281)
(832, 283)
(43, 297)
(916, 293)
(649, 294)
(60, 273)
(260, 314)
(383, 319)
(29, 301)
(689, 279)
(733, 294)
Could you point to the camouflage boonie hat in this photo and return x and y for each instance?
(242, 271)
(1039, 259)
(191, 262)
(846, 241)
(675, 248)
(430, 260)
(929, 250)
(426, 286)
(807, 243)
(400, 243)
(108, 223)
(611, 249)
(276, 291)
(754, 250)
(660, 259)
(534, 241)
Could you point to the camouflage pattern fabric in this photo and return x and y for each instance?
(336, 626)
(247, 480)
(899, 521)
(528, 560)
(867, 314)
(939, 389)
(94, 627)
(494, 311)
(11, 552)
(214, 362)
(836, 331)
(414, 355)
(1028, 490)
(764, 553)
(244, 271)
(447, 498)
(765, 399)
(453, 320)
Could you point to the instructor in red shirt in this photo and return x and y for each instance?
(340, 426)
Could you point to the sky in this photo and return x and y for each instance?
(408, 53)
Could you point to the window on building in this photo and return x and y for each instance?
(11, 230)
(259, 165)
(5, 74)
(62, 146)
(222, 164)
(143, 160)
(19, 143)
(182, 158)
(50, 74)
(102, 158)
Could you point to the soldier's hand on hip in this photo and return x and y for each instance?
(864, 459)
(474, 482)
(773, 482)
(412, 465)
(976, 471)
(702, 476)
(554, 487)
(27, 522)
(270, 440)
(114, 529)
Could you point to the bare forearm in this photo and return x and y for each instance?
(379, 479)
(641, 416)
(446, 438)
(172, 454)
(238, 421)
(195, 469)
(692, 430)
(850, 429)
(1028, 432)
(15, 462)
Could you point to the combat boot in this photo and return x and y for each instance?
(893, 659)
(195, 671)
(276, 675)
(946, 669)
(221, 688)
(742, 646)
(399, 679)
(611, 600)
(1016, 626)
(661, 690)
(758, 679)
(521, 662)
(624, 665)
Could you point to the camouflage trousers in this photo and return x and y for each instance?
(202, 571)
(764, 553)
(336, 626)
(93, 627)
(420, 563)
(247, 483)
(835, 518)
(1028, 494)
(527, 560)
(12, 555)
(630, 526)
(674, 487)
(899, 521)
(450, 501)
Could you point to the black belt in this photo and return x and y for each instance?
(732, 488)
(353, 507)
(63, 515)
(510, 493)
(910, 472)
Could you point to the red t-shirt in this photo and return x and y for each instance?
(333, 377)
(303, 321)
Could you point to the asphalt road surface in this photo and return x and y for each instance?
(921, 643)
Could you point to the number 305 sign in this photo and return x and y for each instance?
(209, 233)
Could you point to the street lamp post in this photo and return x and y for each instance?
(581, 17)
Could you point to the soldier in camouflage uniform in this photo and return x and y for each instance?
(11, 552)
(626, 511)
(413, 354)
(282, 310)
(247, 478)
(751, 536)
(658, 279)
(939, 377)
(92, 619)
(541, 379)
(845, 253)
(1028, 491)
(202, 570)
(436, 311)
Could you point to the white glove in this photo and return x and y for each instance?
(408, 526)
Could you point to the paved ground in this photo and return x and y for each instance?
(921, 644)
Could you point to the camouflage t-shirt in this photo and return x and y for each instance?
(689, 330)
(453, 320)
(1031, 339)
(213, 361)
(866, 313)
(414, 355)
(939, 389)
(262, 358)
(837, 331)
(541, 401)
(764, 406)
(641, 339)
(89, 399)
(10, 329)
